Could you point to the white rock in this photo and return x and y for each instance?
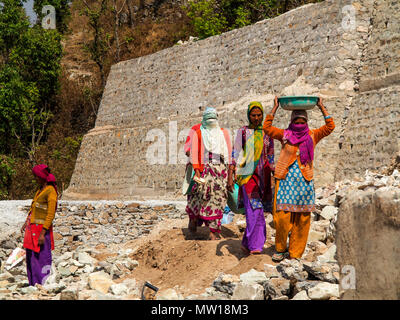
(132, 286)
(226, 282)
(66, 256)
(302, 295)
(118, 289)
(271, 271)
(253, 277)
(329, 212)
(84, 258)
(77, 263)
(324, 291)
(88, 269)
(29, 290)
(329, 255)
(168, 294)
(247, 291)
(100, 281)
(54, 288)
(314, 235)
(281, 298)
(125, 252)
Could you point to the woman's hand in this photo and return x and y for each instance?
(41, 237)
(23, 227)
(231, 184)
(319, 103)
(197, 173)
(322, 107)
(276, 105)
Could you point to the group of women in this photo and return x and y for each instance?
(250, 164)
(218, 165)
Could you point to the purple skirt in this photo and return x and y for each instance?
(38, 264)
(256, 233)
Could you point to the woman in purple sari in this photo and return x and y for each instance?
(38, 227)
(253, 161)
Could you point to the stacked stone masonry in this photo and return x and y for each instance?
(108, 223)
(309, 50)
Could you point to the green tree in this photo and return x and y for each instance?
(98, 47)
(38, 57)
(206, 17)
(17, 105)
(212, 17)
(29, 71)
(13, 24)
(6, 173)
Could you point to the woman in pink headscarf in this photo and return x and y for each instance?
(294, 198)
(38, 228)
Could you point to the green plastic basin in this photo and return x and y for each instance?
(298, 102)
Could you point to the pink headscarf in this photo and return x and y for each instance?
(299, 134)
(42, 171)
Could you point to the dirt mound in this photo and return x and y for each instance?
(176, 259)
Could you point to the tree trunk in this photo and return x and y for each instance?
(130, 11)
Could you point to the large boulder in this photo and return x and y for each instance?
(368, 236)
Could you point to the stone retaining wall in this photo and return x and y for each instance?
(305, 51)
(96, 223)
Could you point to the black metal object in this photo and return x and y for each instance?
(149, 285)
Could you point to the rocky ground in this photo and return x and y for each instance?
(183, 266)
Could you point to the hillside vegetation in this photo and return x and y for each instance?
(51, 81)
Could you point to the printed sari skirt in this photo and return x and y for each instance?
(295, 194)
(207, 201)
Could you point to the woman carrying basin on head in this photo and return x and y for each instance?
(294, 198)
(253, 160)
(210, 155)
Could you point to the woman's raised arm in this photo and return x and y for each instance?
(271, 131)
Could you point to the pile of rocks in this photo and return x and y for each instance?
(79, 224)
(80, 228)
(289, 280)
(76, 275)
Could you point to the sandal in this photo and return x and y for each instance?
(279, 256)
(255, 252)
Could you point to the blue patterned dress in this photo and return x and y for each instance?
(295, 194)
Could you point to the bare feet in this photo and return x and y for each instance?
(213, 236)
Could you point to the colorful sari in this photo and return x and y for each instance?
(206, 202)
(253, 156)
(211, 148)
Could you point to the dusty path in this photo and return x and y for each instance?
(170, 257)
